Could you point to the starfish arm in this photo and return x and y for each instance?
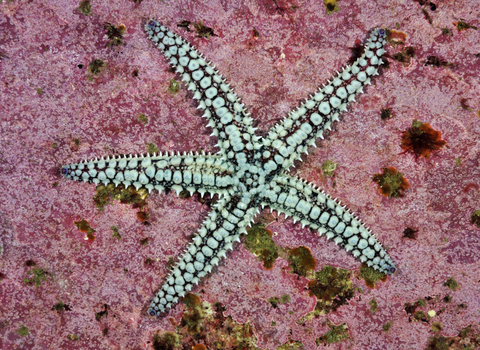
(219, 232)
(292, 136)
(313, 208)
(192, 172)
(225, 113)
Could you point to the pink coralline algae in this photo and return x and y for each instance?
(54, 110)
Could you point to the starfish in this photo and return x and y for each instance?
(249, 171)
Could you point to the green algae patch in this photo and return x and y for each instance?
(115, 34)
(105, 194)
(328, 167)
(332, 287)
(259, 242)
(391, 182)
(466, 339)
(194, 314)
(336, 334)
(85, 7)
(301, 261)
(60, 306)
(203, 326)
(475, 218)
(419, 316)
(274, 301)
(371, 276)
(462, 25)
(115, 233)
(436, 327)
(35, 277)
(291, 345)
(96, 66)
(166, 341)
(152, 148)
(23, 331)
(452, 284)
(331, 6)
(202, 30)
(100, 314)
(72, 337)
(173, 87)
(405, 56)
(386, 327)
(411, 309)
(184, 194)
(143, 118)
(373, 305)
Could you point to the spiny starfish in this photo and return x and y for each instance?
(249, 171)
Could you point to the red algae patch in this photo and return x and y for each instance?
(396, 37)
(391, 182)
(301, 260)
(199, 347)
(142, 216)
(84, 227)
(421, 140)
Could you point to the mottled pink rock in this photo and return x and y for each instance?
(47, 101)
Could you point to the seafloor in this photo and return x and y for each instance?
(69, 91)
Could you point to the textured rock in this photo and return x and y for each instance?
(54, 111)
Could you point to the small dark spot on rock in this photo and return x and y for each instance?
(409, 233)
(144, 241)
(100, 314)
(30, 263)
(386, 113)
